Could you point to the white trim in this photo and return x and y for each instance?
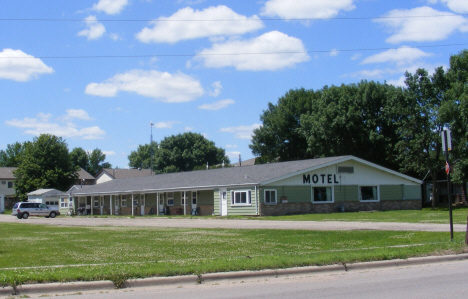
(323, 202)
(170, 198)
(248, 198)
(276, 196)
(360, 195)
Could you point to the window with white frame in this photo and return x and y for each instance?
(142, 199)
(124, 201)
(322, 194)
(96, 202)
(194, 197)
(270, 196)
(368, 193)
(63, 202)
(241, 198)
(170, 198)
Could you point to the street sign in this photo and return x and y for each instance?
(449, 140)
(447, 168)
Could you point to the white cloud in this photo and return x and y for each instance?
(188, 129)
(233, 156)
(334, 52)
(400, 56)
(356, 56)
(19, 66)
(77, 113)
(94, 29)
(172, 30)
(217, 105)
(423, 28)
(109, 153)
(254, 54)
(400, 82)
(166, 124)
(286, 9)
(169, 88)
(231, 145)
(217, 87)
(42, 124)
(241, 132)
(458, 6)
(110, 7)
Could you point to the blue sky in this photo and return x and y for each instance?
(99, 72)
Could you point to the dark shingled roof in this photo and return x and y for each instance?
(120, 173)
(207, 179)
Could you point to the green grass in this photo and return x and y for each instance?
(426, 215)
(36, 253)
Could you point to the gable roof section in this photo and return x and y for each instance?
(46, 193)
(6, 173)
(124, 173)
(83, 174)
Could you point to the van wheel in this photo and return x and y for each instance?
(52, 215)
(25, 215)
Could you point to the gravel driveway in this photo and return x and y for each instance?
(234, 223)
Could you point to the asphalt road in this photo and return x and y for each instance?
(439, 280)
(233, 223)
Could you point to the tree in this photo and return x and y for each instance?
(45, 163)
(97, 162)
(182, 152)
(143, 157)
(279, 136)
(420, 123)
(80, 158)
(11, 157)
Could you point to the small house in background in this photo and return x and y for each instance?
(7, 188)
(85, 178)
(109, 174)
(53, 198)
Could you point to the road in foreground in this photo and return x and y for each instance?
(233, 223)
(440, 280)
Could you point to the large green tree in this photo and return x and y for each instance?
(279, 136)
(92, 161)
(11, 157)
(80, 158)
(182, 152)
(420, 124)
(45, 163)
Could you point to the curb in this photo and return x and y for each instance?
(76, 287)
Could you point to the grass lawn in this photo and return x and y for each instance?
(37, 253)
(426, 215)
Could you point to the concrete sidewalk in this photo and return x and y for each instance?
(233, 223)
(57, 289)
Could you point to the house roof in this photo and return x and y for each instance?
(249, 162)
(215, 178)
(46, 193)
(83, 174)
(6, 173)
(124, 173)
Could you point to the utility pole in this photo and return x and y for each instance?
(151, 148)
(447, 146)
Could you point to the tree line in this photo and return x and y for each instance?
(396, 127)
(46, 162)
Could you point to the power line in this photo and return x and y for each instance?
(228, 54)
(227, 20)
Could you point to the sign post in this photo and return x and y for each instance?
(447, 146)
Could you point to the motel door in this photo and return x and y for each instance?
(142, 204)
(101, 204)
(194, 201)
(161, 202)
(223, 201)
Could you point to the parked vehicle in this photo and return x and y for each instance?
(23, 210)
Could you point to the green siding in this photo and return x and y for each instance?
(413, 192)
(292, 193)
(391, 192)
(216, 201)
(206, 197)
(346, 193)
(250, 210)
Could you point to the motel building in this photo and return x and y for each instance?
(323, 185)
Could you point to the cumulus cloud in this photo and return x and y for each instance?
(423, 28)
(400, 56)
(19, 66)
(241, 132)
(110, 7)
(256, 54)
(217, 87)
(217, 105)
(109, 153)
(78, 114)
(94, 29)
(169, 88)
(43, 124)
(166, 124)
(285, 9)
(172, 30)
(458, 6)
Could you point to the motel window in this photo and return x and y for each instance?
(142, 199)
(323, 194)
(194, 197)
(124, 200)
(368, 193)
(63, 203)
(270, 197)
(96, 202)
(170, 198)
(10, 184)
(183, 196)
(117, 201)
(239, 198)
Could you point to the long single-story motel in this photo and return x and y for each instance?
(322, 185)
